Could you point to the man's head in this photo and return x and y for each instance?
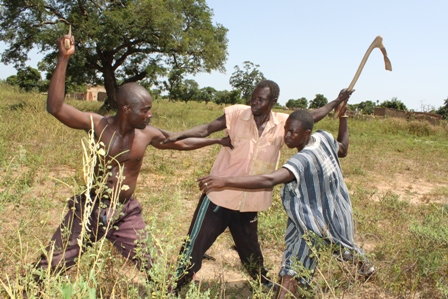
(264, 97)
(298, 128)
(135, 103)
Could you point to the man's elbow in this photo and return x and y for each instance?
(343, 153)
(51, 109)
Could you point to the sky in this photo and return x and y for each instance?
(315, 47)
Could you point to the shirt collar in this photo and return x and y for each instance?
(247, 115)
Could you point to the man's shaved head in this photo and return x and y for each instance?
(131, 94)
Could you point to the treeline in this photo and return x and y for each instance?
(243, 80)
(365, 107)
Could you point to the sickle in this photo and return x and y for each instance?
(377, 43)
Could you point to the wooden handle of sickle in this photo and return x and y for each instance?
(377, 42)
(67, 40)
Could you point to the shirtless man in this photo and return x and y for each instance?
(125, 137)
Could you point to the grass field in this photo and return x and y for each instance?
(396, 172)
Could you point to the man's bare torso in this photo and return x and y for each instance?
(125, 152)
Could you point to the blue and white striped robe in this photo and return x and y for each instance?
(317, 201)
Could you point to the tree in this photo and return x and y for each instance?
(295, 104)
(187, 90)
(12, 80)
(120, 41)
(367, 107)
(27, 78)
(246, 79)
(394, 103)
(172, 83)
(319, 101)
(227, 97)
(206, 94)
(443, 110)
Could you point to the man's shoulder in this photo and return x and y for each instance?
(323, 134)
(149, 131)
(101, 122)
(236, 108)
(281, 117)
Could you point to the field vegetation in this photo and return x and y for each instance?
(396, 172)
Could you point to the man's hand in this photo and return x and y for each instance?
(344, 95)
(62, 50)
(226, 142)
(169, 136)
(211, 182)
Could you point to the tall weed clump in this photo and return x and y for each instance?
(92, 276)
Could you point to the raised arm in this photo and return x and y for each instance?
(269, 180)
(343, 134)
(65, 113)
(203, 130)
(321, 112)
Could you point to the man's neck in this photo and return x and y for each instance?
(261, 120)
(120, 127)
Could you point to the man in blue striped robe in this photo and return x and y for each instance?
(314, 196)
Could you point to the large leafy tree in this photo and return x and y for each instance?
(245, 79)
(117, 41)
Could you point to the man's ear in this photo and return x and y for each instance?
(308, 132)
(126, 109)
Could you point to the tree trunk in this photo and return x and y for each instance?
(110, 84)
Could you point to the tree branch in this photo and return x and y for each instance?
(56, 13)
(83, 10)
(137, 77)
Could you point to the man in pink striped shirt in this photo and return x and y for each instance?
(257, 134)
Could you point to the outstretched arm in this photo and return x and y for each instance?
(203, 130)
(343, 134)
(188, 143)
(269, 180)
(321, 112)
(65, 113)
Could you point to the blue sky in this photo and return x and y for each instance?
(311, 47)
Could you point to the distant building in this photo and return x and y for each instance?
(93, 93)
